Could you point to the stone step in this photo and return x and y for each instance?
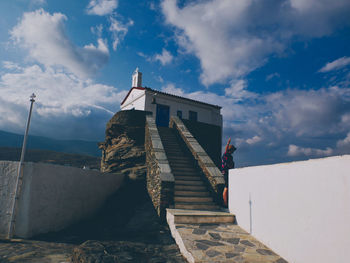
(180, 159)
(173, 141)
(188, 178)
(182, 216)
(181, 162)
(188, 182)
(183, 169)
(194, 188)
(197, 206)
(191, 193)
(192, 199)
(168, 138)
(184, 173)
(175, 153)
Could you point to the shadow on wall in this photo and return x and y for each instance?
(208, 136)
(127, 215)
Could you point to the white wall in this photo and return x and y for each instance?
(53, 197)
(301, 209)
(8, 175)
(135, 100)
(206, 114)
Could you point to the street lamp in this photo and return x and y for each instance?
(19, 170)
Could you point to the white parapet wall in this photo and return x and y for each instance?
(52, 196)
(301, 209)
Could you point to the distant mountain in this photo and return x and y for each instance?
(8, 139)
(45, 156)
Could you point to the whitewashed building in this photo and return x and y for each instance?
(163, 105)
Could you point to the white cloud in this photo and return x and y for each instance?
(265, 126)
(101, 7)
(119, 30)
(230, 41)
(336, 64)
(164, 58)
(254, 140)
(43, 35)
(271, 76)
(298, 151)
(64, 102)
(345, 142)
(10, 65)
(238, 90)
(38, 2)
(171, 89)
(97, 30)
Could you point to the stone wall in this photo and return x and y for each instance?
(208, 136)
(160, 180)
(123, 148)
(211, 172)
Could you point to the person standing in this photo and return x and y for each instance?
(226, 164)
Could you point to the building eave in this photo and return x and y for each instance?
(183, 98)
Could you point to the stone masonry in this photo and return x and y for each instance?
(227, 243)
(160, 180)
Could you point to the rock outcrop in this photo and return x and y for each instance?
(123, 149)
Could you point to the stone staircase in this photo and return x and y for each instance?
(190, 189)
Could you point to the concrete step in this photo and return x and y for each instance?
(188, 182)
(197, 206)
(191, 193)
(193, 199)
(194, 188)
(188, 178)
(182, 216)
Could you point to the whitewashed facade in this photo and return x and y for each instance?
(163, 105)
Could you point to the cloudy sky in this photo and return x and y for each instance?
(280, 69)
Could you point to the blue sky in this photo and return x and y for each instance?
(279, 68)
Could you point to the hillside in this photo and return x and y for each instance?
(46, 156)
(8, 139)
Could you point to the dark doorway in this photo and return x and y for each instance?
(162, 117)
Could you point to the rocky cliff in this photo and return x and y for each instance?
(123, 149)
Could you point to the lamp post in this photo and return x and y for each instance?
(32, 100)
(20, 172)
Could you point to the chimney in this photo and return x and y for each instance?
(136, 78)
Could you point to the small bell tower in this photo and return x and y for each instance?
(136, 78)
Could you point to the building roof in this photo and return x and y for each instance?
(171, 95)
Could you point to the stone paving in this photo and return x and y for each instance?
(32, 251)
(223, 243)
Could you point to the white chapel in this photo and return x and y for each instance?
(163, 105)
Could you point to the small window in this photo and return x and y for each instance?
(193, 116)
(179, 114)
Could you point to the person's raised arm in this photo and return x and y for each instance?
(227, 145)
